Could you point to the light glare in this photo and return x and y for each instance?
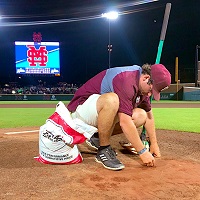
(110, 15)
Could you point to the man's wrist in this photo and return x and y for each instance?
(142, 151)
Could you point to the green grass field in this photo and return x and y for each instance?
(181, 119)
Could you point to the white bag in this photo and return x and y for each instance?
(59, 136)
(53, 150)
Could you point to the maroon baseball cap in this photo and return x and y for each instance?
(161, 79)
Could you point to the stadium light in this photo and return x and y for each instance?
(112, 15)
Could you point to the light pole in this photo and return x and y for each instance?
(197, 67)
(110, 16)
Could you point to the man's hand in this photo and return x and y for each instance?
(147, 159)
(155, 151)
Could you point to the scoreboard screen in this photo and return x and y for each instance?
(37, 58)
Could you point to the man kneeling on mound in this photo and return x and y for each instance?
(121, 95)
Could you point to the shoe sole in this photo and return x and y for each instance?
(128, 146)
(90, 145)
(114, 169)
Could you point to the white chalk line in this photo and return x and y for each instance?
(19, 132)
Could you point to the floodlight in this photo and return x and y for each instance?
(110, 15)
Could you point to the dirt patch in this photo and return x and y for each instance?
(176, 175)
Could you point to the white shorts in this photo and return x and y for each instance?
(87, 112)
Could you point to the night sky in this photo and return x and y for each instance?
(83, 43)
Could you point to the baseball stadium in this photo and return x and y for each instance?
(48, 52)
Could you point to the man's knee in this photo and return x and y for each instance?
(139, 117)
(109, 101)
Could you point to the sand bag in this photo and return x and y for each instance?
(59, 136)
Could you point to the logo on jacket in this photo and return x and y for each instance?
(137, 100)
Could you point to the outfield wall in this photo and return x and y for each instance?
(182, 91)
(191, 94)
(36, 97)
(59, 97)
(186, 92)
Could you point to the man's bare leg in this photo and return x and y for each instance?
(107, 108)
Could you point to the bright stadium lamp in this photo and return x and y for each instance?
(112, 15)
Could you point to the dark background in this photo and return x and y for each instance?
(83, 43)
